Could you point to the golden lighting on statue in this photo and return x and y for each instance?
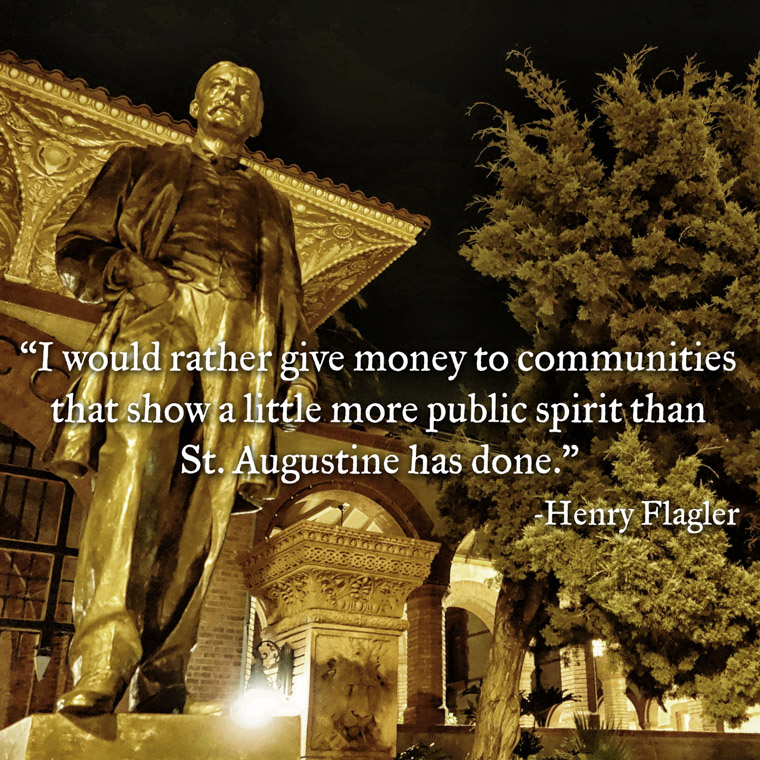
(188, 248)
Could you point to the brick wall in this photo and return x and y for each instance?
(215, 667)
(214, 672)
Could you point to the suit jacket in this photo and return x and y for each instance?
(131, 205)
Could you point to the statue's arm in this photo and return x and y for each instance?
(88, 245)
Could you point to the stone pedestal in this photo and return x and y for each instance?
(337, 597)
(137, 737)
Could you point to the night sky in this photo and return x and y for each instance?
(376, 94)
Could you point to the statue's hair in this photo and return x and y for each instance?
(214, 68)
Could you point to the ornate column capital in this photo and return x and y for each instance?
(316, 573)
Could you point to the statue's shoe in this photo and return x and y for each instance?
(214, 707)
(93, 695)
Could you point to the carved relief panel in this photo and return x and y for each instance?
(355, 682)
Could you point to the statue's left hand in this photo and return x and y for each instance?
(294, 392)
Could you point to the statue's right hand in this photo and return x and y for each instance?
(146, 280)
(153, 294)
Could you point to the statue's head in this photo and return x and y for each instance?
(228, 102)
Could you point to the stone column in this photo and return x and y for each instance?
(402, 676)
(526, 686)
(425, 646)
(651, 716)
(699, 720)
(337, 597)
(574, 674)
(613, 688)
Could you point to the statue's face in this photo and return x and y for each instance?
(227, 103)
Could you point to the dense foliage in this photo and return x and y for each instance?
(637, 232)
(423, 751)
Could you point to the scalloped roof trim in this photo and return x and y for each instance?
(185, 127)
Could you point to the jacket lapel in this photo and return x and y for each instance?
(153, 202)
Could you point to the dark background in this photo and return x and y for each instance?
(376, 95)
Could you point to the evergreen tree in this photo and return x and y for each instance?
(635, 233)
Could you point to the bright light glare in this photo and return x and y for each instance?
(598, 647)
(256, 707)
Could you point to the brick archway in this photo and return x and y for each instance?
(474, 597)
(397, 501)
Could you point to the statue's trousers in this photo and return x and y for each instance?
(153, 533)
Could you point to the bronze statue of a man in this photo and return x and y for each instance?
(190, 249)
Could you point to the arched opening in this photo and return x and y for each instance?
(470, 606)
(391, 505)
(631, 721)
(338, 507)
(468, 640)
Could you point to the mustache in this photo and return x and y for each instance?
(228, 105)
